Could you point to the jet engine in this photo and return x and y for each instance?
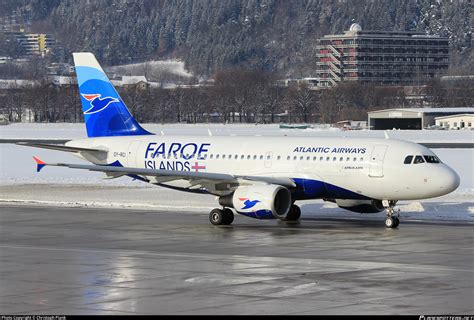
(261, 201)
(361, 206)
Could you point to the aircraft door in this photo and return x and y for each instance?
(268, 159)
(376, 161)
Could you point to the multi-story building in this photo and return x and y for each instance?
(380, 56)
(34, 43)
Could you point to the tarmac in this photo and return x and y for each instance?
(74, 261)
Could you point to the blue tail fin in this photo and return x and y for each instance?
(105, 113)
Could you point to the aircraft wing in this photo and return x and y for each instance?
(196, 178)
(59, 147)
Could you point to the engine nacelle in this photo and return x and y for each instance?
(265, 201)
(361, 206)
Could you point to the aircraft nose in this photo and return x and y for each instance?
(449, 180)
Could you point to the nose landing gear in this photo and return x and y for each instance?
(391, 221)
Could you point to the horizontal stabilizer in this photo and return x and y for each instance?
(39, 164)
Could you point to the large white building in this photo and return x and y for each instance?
(410, 118)
(457, 121)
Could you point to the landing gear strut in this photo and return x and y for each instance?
(220, 217)
(391, 221)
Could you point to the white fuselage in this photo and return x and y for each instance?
(344, 168)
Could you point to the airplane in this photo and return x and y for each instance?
(258, 177)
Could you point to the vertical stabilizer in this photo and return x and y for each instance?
(105, 113)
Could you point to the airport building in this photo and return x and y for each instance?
(411, 118)
(456, 121)
(380, 56)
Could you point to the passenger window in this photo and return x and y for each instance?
(321, 158)
(295, 157)
(279, 157)
(288, 158)
(223, 156)
(248, 157)
(418, 159)
(217, 156)
(408, 159)
(301, 158)
(315, 158)
(261, 157)
(307, 158)
(236, 157)
(242, 157)
(211, 156)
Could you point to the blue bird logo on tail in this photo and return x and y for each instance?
(248, 204)
(98, 103)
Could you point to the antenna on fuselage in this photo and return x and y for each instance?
(209, 132)
(162, 133)
(386, 134)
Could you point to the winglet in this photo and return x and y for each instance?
(39, 164)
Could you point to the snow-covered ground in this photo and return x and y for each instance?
(77, 130)
(152, 67)
(19, 182)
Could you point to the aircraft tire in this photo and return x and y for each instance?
(228, 216)
(294, 214)
(391, 222)
(217, 217)
(396, 222)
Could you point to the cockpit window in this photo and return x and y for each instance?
(431, 159)
(418, 159)
(408, 160)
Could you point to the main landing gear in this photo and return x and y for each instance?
(294, 214)
(220, 217)
(391, 221)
